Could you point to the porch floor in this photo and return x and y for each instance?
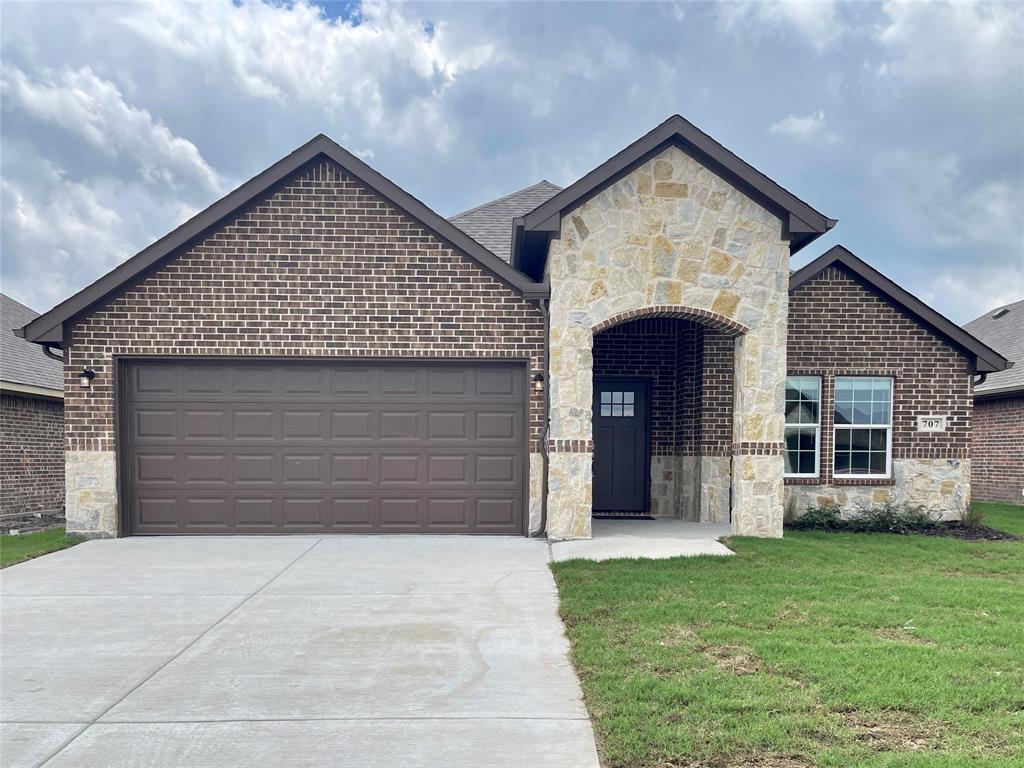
(654, 539)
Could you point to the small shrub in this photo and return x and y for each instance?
(886, 518)
(789, 512)
(892, 518)
(972, 516)
(824, 517)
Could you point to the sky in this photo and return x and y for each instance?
(904, 120)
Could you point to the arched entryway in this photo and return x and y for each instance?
(663, 386)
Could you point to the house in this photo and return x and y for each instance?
(31, 422)
(319, 351)
(997, 442)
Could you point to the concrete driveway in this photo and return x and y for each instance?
(289, 651)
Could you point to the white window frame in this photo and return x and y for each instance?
(817, 433)
(849, 427)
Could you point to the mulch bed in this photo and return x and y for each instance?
(958, 530)
(952, 529)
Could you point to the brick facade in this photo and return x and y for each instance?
(997, 450)
(837, 327)
(31, 454)
(323, 267)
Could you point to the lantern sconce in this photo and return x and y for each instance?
(85, 377)
(538, 382)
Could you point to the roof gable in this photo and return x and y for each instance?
(801, 223)
(1002, 329)
(983, 359)
(49, 328)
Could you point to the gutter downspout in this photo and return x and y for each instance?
(542, 528)
(50, 353)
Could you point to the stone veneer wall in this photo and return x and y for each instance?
(670, 237)
(322, 267)
(997, 449)
(838, 327)
(31, 454)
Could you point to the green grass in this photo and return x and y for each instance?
(15, 549)
(821, 649)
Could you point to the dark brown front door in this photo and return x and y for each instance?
(322, 447)
(621, 447)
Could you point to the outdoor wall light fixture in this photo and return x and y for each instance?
(85, 377)
(538, 382)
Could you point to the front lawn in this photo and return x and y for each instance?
(14, 549)
(823, 649)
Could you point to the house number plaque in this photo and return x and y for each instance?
(931, 423)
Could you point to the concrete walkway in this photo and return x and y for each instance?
(645, 538)
(289, 651)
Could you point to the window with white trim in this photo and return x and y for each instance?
(803, 426)
(863, 427)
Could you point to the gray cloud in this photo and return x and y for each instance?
(119, 120)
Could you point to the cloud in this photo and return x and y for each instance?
(818, 24)
(977, 43)
(967, 292)
(800, 127)
(94, 110)
(936, 204)
(381, 67)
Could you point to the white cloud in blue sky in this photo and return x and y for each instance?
(903, 120)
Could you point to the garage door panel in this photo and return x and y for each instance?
(321, 447)
(259, 513)
(353, 425)
(205, 424)
(155, 424)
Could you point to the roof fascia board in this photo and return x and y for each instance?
(694, 141)
(48, 326)
(1015, 390)
(30, 389)
(986, 359)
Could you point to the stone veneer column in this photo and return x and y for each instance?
(758, 408)
(90, 505)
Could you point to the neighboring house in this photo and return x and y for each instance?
(321, 352)
(31, 421)
(997, 444)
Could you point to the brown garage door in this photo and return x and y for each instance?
(273, 447)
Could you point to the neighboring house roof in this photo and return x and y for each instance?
(982, 358)
(1003, 330)
(801, 223)
(24, 367)
(49, 328)
(490, 224)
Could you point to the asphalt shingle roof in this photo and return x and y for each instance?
(22, 362)
(1002, 329)
(490, 224)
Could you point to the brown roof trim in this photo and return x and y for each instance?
(1012, 391)
(983, 359)
(801, 223)
(49, 327)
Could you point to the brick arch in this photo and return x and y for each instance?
(702, 316)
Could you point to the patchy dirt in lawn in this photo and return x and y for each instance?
(752, 761)
(678, 634)
(734, 658)
(891, 732)
(905, 636)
